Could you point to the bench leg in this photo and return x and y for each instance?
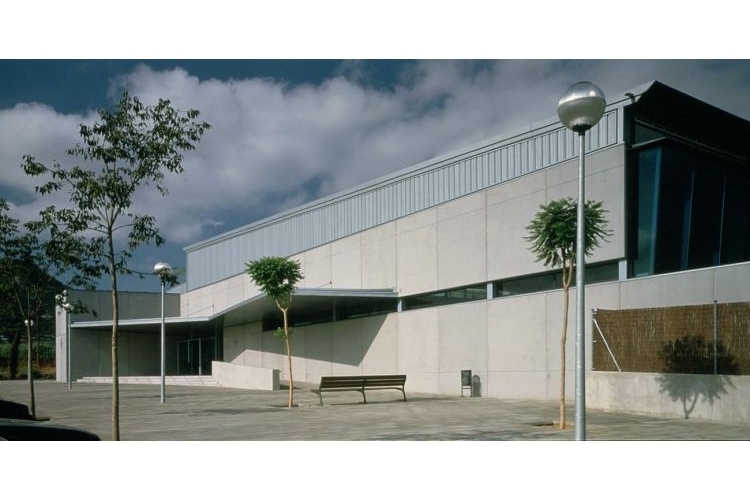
(404, 393)
(321, 397)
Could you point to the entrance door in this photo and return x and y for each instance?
(195, 356)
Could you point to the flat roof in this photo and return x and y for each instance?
(249, 311)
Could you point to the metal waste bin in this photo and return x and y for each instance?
(476, 387)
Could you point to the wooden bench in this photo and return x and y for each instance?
(360, 383)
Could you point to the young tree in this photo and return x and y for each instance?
(552, 234)
(277, 277)
(130, 148)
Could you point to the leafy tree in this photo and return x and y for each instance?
(130, 148)
(277, 277)
(27, 287)
(552, 234)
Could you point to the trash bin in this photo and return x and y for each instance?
(476, 387)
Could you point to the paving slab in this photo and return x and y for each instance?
(223, 414)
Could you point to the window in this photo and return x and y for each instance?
(446, 297)
(595, 273)
(688, 209)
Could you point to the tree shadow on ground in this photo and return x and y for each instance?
(691, 374)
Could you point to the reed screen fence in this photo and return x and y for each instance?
(710, 338)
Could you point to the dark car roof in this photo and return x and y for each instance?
(30, 430)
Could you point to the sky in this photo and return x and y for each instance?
(288, 129)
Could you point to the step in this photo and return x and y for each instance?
(181, 380)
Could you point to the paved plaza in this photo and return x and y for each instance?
(222, 414)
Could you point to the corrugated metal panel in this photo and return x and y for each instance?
(415, 189)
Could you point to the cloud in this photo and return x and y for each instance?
(274, 145)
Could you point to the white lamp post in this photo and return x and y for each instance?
(163, 270)
(29, 369)
(62, 299)
(579, 109)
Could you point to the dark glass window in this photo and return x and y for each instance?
(360, 307)
(601, 273)
(688, 209)
(647, 177)
(735, 233)
(446, 297)
(595, 273)
(528, 284)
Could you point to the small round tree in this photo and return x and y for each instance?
(552, 234)
(277, 277)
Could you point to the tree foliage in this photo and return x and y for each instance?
(277, 278)
(552, 234)
(131, 147)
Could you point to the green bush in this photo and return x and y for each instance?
(46, 352)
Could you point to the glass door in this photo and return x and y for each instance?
(195, 355)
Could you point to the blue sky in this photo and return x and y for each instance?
(285, 132)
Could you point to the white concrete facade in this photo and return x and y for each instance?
(512, 343)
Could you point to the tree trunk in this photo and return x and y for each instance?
(567, 276)
(289, 357)
(115, 342)
(563, 340)
(115, 371)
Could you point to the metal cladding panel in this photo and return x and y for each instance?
(418, 188)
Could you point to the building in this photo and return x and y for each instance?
(426, 271)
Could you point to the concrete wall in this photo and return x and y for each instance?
(91, 350)
(245, 377)
(138, 354)
(710, 397)
(512, 343)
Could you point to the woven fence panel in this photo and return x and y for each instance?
(674, 339)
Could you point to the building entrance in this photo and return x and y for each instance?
(194, 356)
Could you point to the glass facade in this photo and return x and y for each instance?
(688, 208)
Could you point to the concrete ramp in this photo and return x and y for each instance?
(223, 375)
(174, 380)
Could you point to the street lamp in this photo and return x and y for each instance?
(163, 270)
(579, 109)
(62, 299)
(29, 369)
